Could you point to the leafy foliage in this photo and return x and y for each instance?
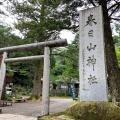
(116, 39)
(66, 62)
(24, 74)
(8, 39)
(118, 29)
(118, 56)
(24, 71)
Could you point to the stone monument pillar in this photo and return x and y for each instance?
(2, 73)
(93, 84)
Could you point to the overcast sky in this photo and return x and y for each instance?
(9, 20)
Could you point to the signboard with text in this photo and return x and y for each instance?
(72, 89)
(93, 86)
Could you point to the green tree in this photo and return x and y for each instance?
(40, 20)
(118, 56)
(32, 21)
(116, 38)
(7, 38)
(66, 62)
(117, 26)
(24, 71)
(71, 61)
(66, 18)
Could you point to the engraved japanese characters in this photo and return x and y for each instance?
(93, 86)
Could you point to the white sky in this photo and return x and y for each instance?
(65, 34)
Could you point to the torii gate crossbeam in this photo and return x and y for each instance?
(34, 46)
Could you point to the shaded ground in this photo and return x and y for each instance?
(31, 108)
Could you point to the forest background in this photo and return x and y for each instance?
(43, 20)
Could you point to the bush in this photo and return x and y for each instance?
(22, 90)
(8, 97)
(59, 93)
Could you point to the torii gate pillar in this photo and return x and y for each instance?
(46, 82)
(2, 73)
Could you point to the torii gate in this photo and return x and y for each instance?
(46, 73)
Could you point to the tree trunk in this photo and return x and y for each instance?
(37, 87)
(111, 59)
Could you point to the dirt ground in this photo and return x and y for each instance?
(34, 108)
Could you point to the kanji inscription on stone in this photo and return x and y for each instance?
(92, 80)
(90, 33)
(90, 20)
(93, 84)
(91, 61)
(91, 47)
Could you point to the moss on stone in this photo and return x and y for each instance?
(94, 111)
(87, 111)
(57, 116)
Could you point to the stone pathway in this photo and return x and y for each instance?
(30, 110)
(15, 117)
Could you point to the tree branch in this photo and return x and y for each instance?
(92, 3)
(34, 18)
(117, 7)
(108, 0)
(69, 28)
(115, 19)
(118, 4)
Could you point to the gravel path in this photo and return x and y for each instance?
(31, 108)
